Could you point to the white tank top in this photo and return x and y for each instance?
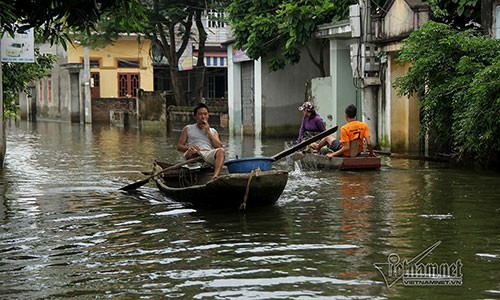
(198, 137)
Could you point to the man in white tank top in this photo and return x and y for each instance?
(200, 139)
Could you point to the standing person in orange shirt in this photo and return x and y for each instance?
(351, 131)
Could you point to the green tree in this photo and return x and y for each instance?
(456, 78)
(171, 29)
(278, 29)
(459, 14)
(57, 18)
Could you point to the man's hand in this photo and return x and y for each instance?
(205, 127)
(192, 151)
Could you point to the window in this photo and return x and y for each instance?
(40, 90)
(128, 84)
(211, 87)
(95, 83)
(49, 90)
(208, 60)
(221, 61)
(215, 19)
(130, 63)
(94, 63)
(215, 61)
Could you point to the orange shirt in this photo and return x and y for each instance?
(354, 130)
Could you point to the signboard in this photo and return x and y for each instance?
(239, 55)
(19, 48)
(186, 59)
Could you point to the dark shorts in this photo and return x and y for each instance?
(335, 146)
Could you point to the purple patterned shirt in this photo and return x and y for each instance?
(314, 125)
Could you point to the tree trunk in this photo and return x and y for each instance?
(177, 86)
(200, 65)
(320, 62)
(168, 44)
(487, 17)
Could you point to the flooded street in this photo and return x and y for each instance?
(66, 231)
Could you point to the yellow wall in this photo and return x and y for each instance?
(124, 48)
(404, 115)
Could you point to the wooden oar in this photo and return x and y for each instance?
(138, 184)
(302, 144)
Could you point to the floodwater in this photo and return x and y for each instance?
(67, 232)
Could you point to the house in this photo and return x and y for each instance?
(119, 74)
(398, 117)
(117, 71)
(264, 103)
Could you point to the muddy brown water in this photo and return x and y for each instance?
(66, 232)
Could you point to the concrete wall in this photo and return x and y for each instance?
(52, 94)
(180, 116)
(321, 92)
(333, 94)
(152, 106)
(102, 107)
(278, 94)
(283, 92)
(234, 93)
(343, 90)
(404, 113)
(401, 12)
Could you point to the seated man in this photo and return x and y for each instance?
(201, 140)
(351, 131)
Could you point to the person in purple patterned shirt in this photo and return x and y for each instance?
(312, 123)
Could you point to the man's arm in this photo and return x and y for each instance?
(369, 145)
(182, 147)
(346, 147)
(215, 139)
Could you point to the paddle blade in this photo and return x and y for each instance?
(138, 184)
(135, 185)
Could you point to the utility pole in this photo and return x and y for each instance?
(87, 104)
(370, 71)
(3, 137)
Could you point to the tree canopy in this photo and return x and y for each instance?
(57, 18)
(171, 26)
(278, 29)
(459, 14)
(457, 78)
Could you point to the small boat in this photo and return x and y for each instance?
(192, 183)
(312, 161)
(357, 161)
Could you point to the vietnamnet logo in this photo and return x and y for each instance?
(415, 273)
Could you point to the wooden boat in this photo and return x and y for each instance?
(357, 161)
(192, 183)
(310, 161)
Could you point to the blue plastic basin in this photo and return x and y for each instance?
(248, 164)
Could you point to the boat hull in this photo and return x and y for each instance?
(227, 191)
(316, 162)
